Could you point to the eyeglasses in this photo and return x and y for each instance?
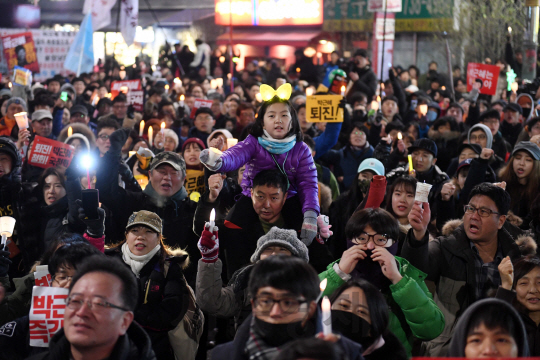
(482, 212)
(97, 305)
(479, 137)
(288, 305)
(104, 136)
(378, 239)
(62, 280)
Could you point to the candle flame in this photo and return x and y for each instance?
(162, 125)
(343, 88)
(374, 105)
(399, 136)
(182, 97)
(167, 87)
(70, 131)
(297, 69)
(378, 99)
(213, 215)
(322, 286)
(309, 91)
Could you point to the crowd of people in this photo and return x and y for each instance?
(219, 229)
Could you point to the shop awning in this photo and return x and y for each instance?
(269, 38)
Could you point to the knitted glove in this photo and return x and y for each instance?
(323, 222)
(96, 227)
(209, 244)
(118, 139)
(4, 261)
(309, 227)
(211, 165)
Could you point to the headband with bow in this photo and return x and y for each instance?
(283, 92)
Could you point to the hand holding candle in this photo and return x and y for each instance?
(70, 131)
(343, 88)
(182, 97)
(22, 120)
(212, 221)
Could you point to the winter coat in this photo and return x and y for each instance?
(215, 299)
(297, 163)
(501, 147)
(176, 212)
(391, 350)
(459, 341)
(447, 144)
(15, 340)
(390, 159)
(163, 298)
(202, 57)
(134, 345)
(413, 313)
(327, 177)
(329, 137)
(510, 132)
(449, 263)
(18, 303)
(241, 229)
(235, 350)
(366, 83)
(346, 162)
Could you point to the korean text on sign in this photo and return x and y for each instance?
(486, 75)
(47, 153)
(324, 108)
(46, 314)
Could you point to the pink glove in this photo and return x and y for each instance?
(209, 244)
(324, 226)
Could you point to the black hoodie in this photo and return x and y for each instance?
(459, 339)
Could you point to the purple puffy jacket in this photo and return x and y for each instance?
(299, 167)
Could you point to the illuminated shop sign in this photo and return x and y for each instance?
(269, 12)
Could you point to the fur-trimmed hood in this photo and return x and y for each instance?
(526, 243)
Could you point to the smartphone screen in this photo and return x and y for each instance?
(64, 96)
(90, 203)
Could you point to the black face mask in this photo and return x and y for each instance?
(353, 327)
(363, 186)
(526, 112)
(371, 270)
(278, 334)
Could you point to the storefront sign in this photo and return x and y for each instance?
(386, 30)
(488, 75)
(269, 12)
(46, 314)
(324, 108)
(46, 153)
(51, 50)
(416, 15)
(19, 50)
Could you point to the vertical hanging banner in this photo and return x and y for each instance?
(129, 18)
(19, 50)
(46, 314)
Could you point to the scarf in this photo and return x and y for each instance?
(162, 200)
(277, 146)
(137, 262)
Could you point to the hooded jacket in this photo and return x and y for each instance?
(459, 340)
(297, 163)
(134, 345)
(486, 130)
(449, 263)
(412, 311)
(527, 112)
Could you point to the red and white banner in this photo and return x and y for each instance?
(46, 153)
(199, 103)
(487, 75)
(136, 98)
(124, 86)
(42, 276)
(46, 314)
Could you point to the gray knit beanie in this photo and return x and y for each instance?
(281, 237)
(485, 129)
(16, 100)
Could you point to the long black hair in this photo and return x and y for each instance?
(257, 129)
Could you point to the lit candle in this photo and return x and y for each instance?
(343, 90)
(374, 105)
(379, 101)
(141, 128)
(213, 83)
(22, 120)
(150, 136)
(322, 286)
(167, 87)
(231, 142)
(423, 109)
(213, 156)
(297, 70)
(443, 88)
(410, 164)
(309, 91)
(70, 131)
(258, 97)
(212, 220)
(182, 97)
(163, 128)
(399, 136)
(510, 30)
(326, 316)
(514, 86)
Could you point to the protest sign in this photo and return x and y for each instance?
(324, 108)
(42, 276)
(488, 75)
(19, 49)
(136, 98)
(128, 85)
(46, 153)
(46, 314)
(199, 103)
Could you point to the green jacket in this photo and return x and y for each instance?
(413, 313)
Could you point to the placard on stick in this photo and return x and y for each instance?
(324, 108)
(46, 153)
(46, 314)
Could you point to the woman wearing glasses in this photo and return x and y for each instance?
(372, 244)
(164, 295)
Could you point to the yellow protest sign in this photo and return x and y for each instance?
(324, 108)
